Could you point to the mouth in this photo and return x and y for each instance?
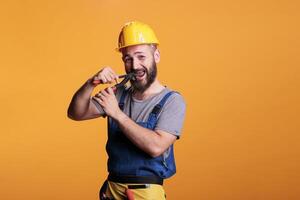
(139, 74)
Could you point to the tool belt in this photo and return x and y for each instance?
(135, 179)
(138, 182)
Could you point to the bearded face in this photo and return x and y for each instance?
(144, 77)
(141, 60)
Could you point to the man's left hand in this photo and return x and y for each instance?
(107, 99)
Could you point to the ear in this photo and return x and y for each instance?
(156, 55)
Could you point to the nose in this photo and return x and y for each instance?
(135, 63)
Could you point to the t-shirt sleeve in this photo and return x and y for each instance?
(172, 115)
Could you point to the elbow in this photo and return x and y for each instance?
(70, 116)
(156, 152)
(73, 116)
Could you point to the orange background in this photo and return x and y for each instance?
(235, 62)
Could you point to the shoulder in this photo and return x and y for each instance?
(175, 96)
(172, 113)
(175, 99)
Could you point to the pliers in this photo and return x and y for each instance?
(127, 77)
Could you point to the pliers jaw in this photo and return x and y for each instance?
(127, 77)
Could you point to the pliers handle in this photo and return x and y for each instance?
(126, 77)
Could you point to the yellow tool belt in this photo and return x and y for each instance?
(131, 191)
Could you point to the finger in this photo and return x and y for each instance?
(102, 96)
(110, 91)
(112, 77)
(112, 74)
(108, 69)
(111, 71)
(102, 78)
(108, 78)
(98, 95)
(104, 92)
(98, 100)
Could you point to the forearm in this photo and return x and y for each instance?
(147, 140)
(80, 102)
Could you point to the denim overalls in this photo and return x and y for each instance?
(127, 159)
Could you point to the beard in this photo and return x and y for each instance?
(139, 86)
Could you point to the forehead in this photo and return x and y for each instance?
(131, 50)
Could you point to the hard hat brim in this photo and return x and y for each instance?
(119, 49)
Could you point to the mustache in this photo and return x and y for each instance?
(135, 71)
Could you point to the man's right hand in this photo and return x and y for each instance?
(105, 75)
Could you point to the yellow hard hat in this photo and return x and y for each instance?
(134, 33)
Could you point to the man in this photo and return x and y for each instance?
(143, 121)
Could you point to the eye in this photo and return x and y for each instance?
(127, 59)
(141, 57)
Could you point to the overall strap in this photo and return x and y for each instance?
(157, 108)
(122, 99)
(111, 124)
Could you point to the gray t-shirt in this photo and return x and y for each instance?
(170, 118)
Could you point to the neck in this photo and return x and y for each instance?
(154, 88)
